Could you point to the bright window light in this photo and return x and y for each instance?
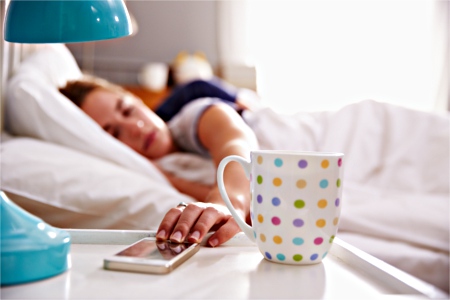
(322, 55)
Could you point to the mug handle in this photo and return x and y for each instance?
(246, 165)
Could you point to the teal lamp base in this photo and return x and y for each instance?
(30, 249)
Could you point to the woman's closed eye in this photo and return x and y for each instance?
(124, 107)
(126, 112)
(112, 130)
(116, 133)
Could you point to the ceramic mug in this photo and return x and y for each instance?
(296, 203)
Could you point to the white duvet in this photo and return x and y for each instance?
(396, 178)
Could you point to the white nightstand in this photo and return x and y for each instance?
(235, 270)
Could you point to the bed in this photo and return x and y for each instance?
(60, 165)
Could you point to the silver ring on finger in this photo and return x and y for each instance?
(182, 204)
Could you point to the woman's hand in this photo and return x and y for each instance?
(193, 221)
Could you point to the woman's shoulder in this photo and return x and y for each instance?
(184, 124)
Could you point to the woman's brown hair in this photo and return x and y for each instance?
(77, 90)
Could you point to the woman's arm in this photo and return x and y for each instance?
(223, 132)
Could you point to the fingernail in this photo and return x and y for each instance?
(213, 242)
(176, 237)
(195, 236)
(161, 235)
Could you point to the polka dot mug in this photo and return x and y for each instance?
(296, 203)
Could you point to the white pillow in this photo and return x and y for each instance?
(70, 189)
(35, 108)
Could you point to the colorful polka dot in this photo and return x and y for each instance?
(323, 183)
(325, 163)
(277, 181)
(322, 203)
(338, 182)
(331, 239)
(325, 254)
(262, 237)
(299, 203)
(335, 221)
(318, 241)
(276, 201)
(259, 179)
(302, 164)
(260, 218)
(321, 223)
(314, 256)
(298, 241)
(301, 183)
(254, 234)
(297, 257)
(277, 239)
(339, 162)
(267, 254)
(336, 202)
(276, 221)
(259, 159)
(281, 257)
(259, 199)
(298, 222)
(278, 162)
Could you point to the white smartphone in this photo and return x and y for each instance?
(151, 256)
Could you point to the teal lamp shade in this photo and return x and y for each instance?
(30, 248)
(66, 21)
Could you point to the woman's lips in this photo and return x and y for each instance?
(149, 138)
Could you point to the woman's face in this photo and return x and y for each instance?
(130, 121)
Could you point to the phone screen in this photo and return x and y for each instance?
(151, 249)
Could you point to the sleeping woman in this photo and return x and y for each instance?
(209, 126)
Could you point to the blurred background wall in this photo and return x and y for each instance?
(300, 55)
(164, 29)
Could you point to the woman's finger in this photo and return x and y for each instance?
(210, 217)
(168, 223)
(224, 233)
(185, 222)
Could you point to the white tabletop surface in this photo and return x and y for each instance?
(234, 271)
